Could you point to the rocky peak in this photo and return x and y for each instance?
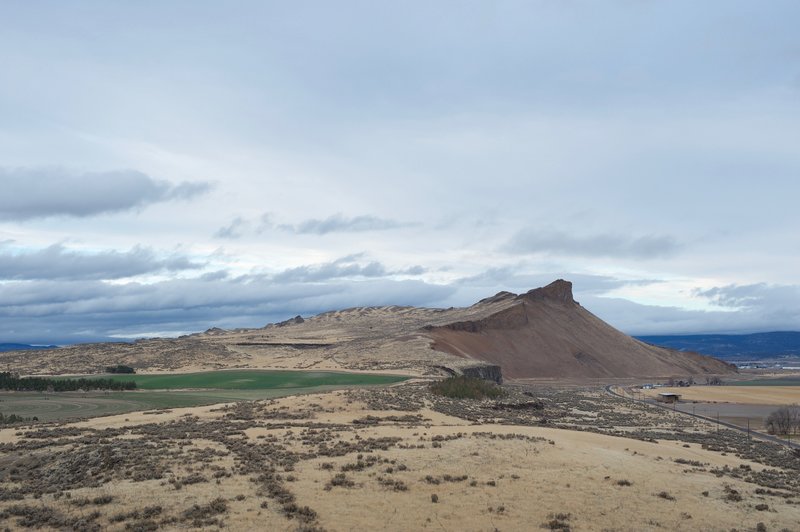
(559, 290)
(499, 296)
(297, 320)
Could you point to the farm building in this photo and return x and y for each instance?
(668, 397)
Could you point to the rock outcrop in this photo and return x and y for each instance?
(545, 333)
(487, 372)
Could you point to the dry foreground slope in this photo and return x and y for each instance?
(541, 334)
(398, 459)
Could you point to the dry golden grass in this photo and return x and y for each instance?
(603, 482)
(753, 395)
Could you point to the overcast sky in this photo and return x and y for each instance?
(171, 166)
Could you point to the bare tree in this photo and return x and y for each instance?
(784, 420)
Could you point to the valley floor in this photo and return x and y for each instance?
(398, 459)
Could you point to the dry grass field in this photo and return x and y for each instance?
(397, 459)
(752, 395)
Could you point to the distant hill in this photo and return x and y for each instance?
(24, 347)
(543, 333)
(546, 333)
(733, 346)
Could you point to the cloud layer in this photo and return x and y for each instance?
(58, 263)
(338, 223)
(80, 308)
(596, 245)
(30, 193)
(90, 310)
(414, 152)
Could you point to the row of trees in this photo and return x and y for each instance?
(119, 368)
(785, 420)
(14, 418)
(710, 381)
(10, 381)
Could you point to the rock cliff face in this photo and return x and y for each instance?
(488, 372)
(545, 333)
(559, 290)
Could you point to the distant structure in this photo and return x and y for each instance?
(668, 397)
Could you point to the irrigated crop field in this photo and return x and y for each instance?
(253, 380)
(181, 390)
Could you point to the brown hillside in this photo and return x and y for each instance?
(543, 333)
(546, 333)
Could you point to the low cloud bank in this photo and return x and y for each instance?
(30, 193)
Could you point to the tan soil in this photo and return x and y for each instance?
(543, 471)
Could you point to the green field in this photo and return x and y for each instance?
(182, 390)
(252, 380)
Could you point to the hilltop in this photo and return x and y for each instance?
(546, 333)
(543, 333)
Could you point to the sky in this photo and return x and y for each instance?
(171, 166)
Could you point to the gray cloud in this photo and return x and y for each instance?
(340, 268)
(634, 318)
(339, 223)
(345, 267)
(413, 270)
(30, 193)
(233, 230)
(57, 262)
(72, 311)
(510, 278)
(65, 311)
(770, 301)
(743, 308)
(598, 245)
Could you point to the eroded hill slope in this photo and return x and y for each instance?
(543, 333)
(546, 333)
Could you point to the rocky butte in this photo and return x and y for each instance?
(546, 333)
(543, 333)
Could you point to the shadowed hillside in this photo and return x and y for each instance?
(546, 333)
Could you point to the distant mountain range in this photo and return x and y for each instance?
(756, 346)
(24, 347)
